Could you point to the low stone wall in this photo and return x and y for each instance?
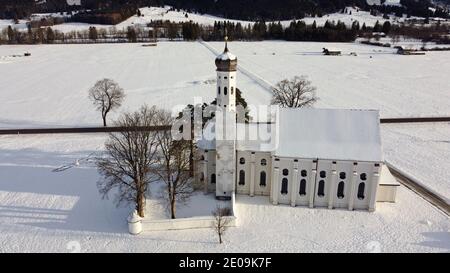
(137, 225)
(182, 223)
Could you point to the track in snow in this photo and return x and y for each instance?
(415, 186)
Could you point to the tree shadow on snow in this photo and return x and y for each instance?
(440, 239)
(68, 200)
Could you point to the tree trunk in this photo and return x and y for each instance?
(191, 157)
(104, 120)
(140, 204)
(220, 238)
(172, 207)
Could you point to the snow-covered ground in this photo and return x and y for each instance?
(422, 151)
(44, 211)
(166, 76)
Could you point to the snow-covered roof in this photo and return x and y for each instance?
(250, 137)
(329, 134)
(226, 56)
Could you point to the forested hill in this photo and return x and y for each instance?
(234, 9)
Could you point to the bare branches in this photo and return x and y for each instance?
(294, 93)
(174, 163)
(131, 155)
(107, 96)
(221, 220)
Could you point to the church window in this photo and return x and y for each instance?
(218, 90)
(323, 174)
(263, 162)
(363, 176)
(225, 77)
(302, 187)
(321, 189)
(342, 175)
(303, 173)
(202, 176)
(262, 179)
(225, 90)
(361, 188)
(284, 186)
(241, 177)
(285, 172)
(242, 161)
(213, 178)
(340, 190)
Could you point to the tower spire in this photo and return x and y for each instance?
(226, 40)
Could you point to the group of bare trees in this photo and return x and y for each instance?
(134, 158)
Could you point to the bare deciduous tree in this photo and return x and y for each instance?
(221, 220)
(174, 162)
(130, 157)
(294, 93)
(107, 96)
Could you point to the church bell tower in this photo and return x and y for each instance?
(225, 126)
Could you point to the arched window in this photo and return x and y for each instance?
(225, 91)
(302, 190)
(202, 157)
(363, 176)
(231, 90)
(262, 179)
(202, 176)
(342, 175)
(321, 189)
(284, 186)
(218, 90)
(242, 161)
(241, 177)
(340, 190)
(323, 174)
(213, 178)
(304, 173)
(361, 188)
(285, 172)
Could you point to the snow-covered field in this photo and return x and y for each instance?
(57, 78)
(44, 211)
(421, 150)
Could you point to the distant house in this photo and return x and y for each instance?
(408, 51)
(331, 51)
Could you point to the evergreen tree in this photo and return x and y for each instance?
(93, 35)
(50, 35)
(386, 27)
(11, 35)
(377, 27)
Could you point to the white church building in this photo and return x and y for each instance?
(308, 157)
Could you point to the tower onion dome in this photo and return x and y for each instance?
(226, 61)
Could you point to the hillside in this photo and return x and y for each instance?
(253, 10)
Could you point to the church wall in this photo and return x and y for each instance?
(243, 161)
(263, 173)
(323, 181)
(305, 183)
(211, 170)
